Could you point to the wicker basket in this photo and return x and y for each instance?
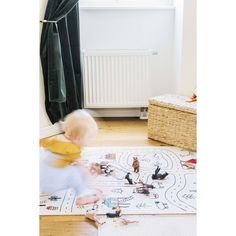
(172, 120)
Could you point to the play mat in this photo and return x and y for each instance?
(175, 194)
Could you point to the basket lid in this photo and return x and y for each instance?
(175, 101)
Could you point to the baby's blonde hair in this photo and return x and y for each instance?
(80, 127)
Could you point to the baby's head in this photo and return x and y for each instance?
(80, 127)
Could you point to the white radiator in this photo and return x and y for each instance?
(116, 78)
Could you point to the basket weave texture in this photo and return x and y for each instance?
(172, 120)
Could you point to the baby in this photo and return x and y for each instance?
(59, 165)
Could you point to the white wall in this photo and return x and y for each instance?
(179, 7)
(135, 29)
(188, 75)
(185, 46)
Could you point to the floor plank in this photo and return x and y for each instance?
(123, 132)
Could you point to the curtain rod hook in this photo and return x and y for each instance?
(48, 21)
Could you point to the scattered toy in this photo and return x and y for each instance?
(146, 185)
(127, 221)
(161, 205)
(102, 168)
(53, 208)
(159, 176)
(154, 196)
(157, 170)
(135, 164)
(143, 190)
(103, 165)
(54, 198)
(91, 214)
(128, 178)
(114, 215)
(194, 97)
(106, 168)
(110, 156)
(190, 164)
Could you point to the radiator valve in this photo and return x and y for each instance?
(143, 113)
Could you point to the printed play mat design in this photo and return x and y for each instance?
(175, 194)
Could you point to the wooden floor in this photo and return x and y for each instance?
(112, 132)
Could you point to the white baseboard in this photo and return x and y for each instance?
(50, 130)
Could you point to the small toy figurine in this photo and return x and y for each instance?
(127, 221)
(114, 215)
(144, 190)
(54, 198)
(90, 214)
(102, 168)
(157, 170)
(106, 169)
(135, 164)
(159, 176)
(190, 164)
(103, 165)
(146, 185)
(128, 178)
(52, 208)
(110, 156)
(194, 97)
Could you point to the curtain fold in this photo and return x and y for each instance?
(60, 59)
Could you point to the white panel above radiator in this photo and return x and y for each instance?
(116, 78)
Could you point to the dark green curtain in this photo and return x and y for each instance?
(60, 58)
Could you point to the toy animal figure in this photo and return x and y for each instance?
(143, 190)
(110, 156)
(135, 164)
(91, 214)
(102, 168)
(106, 168)
(108, 171)
(128, 178)
(114, 215)
(126, 221)
(157, 170)
(59, 165)
(194, 97)
(54, 198)
(146, 185)
(159, 176)
(189, 164)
